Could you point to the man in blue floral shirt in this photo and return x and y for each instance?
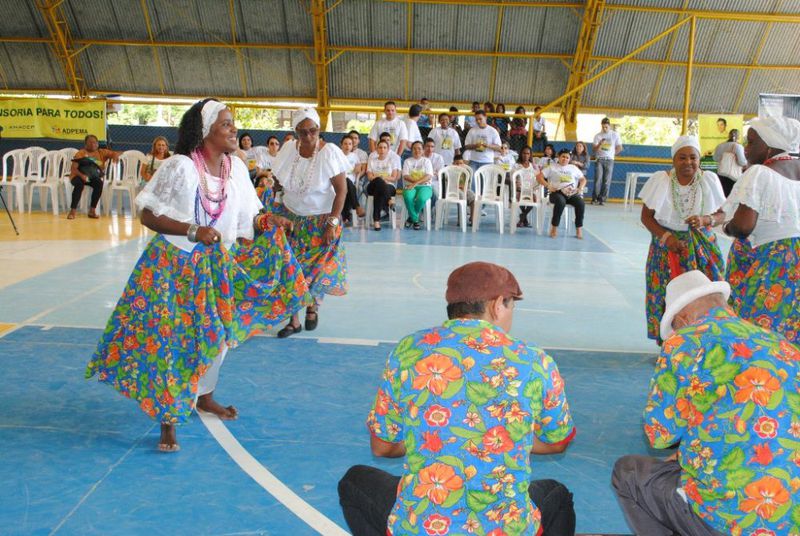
(727, 392)
(466, 404)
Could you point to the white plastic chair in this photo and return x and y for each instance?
(426, 211)
(567, 216)
(368, 222)
(50, 171)
(489, 179)
(528, 196)
(14, 163)
(127, 180)
(450, 179)
(34, 171)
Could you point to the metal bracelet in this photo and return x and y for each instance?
(191, 234)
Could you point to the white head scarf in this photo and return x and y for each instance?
(209, 113)
(778, 132)
(686, 141)
(300, 115)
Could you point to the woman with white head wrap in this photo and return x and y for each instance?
(190, 296)
(313, 177)
(680, 207)
(764, 216)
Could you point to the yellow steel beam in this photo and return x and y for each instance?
(744, 16)
(318, 13)
(497, 33)
(239, 58)
(63, 46)
(615, 64)
(667, 57)
(156, 56)
(580, 65)
(409, 43)
(754, 60)
(687, 87)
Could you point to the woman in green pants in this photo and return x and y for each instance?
(417, 190)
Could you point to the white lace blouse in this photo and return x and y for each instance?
(307, 188)
(657, 194)
(774, 197)
(172, 192)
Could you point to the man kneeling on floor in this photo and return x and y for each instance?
(466, 403)
(726, 391)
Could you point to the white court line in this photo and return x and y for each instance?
(416, 282)
(342, 340)
(545, 311)
(307, 513)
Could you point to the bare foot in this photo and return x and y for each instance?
(360, 212)
(169, 440)
(208, 404)
(93, 214)
(579, 233)
(553, 232)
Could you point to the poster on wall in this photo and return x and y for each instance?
(52, 118)
(779, 105)
(714, 129)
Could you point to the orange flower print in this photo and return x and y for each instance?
(788, 352)
(766, 427)
(765, 495)
(382, 403)
(497, 532)
(435, 373)
(436, 482)
(431, 338)
(755, 384)
(774, 297)
(432, 442)
(515, 413)
(696, 387)
(740, 349)
(763, 454)
(494, 338)
(436, 525)
(437, 415)
(689, 412)
(497, 441)
(477, 345)
(763, 532)
(691, 491)
(673, 342)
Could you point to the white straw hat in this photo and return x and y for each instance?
(683, 290)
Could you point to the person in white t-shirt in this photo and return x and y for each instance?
(417, 178)
(437, 162)
(354, 171)
(412, 127)
(564, 183)
(482, 142)
(391, 124)
(446, 139)
(605, 147)
(539, 129)
(383, 171)
(530, 170)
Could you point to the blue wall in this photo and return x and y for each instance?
(127, 137)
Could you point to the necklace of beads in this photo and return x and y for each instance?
(686, 211)
(778, 158)
(204, 197)
(303, 184)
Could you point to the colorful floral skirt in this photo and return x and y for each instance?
(770, 294)
(740, 259)
(325, 267)
(180, 309)
(662, 266)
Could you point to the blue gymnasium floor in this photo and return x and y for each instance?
(76, 458)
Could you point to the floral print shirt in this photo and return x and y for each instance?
(728, 391)
(467, 399)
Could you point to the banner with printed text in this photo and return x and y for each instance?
(52, 118)
(714, 129)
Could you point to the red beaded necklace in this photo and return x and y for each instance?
(778, 158)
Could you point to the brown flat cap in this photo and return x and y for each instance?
(479, 282)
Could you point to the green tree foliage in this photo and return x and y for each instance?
(637, 130)
(170, 115)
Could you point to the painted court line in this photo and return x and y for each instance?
(307, 513)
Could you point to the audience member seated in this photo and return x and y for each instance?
(501, 123)
(412, 128)
(724, 392)
(518, 135)
(249, 155)
(158, 153)
(539, 129)
(579, 157)
(455, 125)
(548, 158)
(351, 202)
(437, 163)
(425, 118)
(383, 170)
(466, 404)
(525, 161)
(88, 169)
(394, 126)
(417, 177)
(446, 139)
(564, 183)
(482, 142)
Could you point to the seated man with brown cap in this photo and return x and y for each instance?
(466, 404)
(726, 392)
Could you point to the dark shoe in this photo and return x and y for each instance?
(288, 330)
(408, 223)
(528, 224)
(417, 226)
(311, 322)
(376, 226)
(520, 224)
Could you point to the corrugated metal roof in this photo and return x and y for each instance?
(375, 24)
